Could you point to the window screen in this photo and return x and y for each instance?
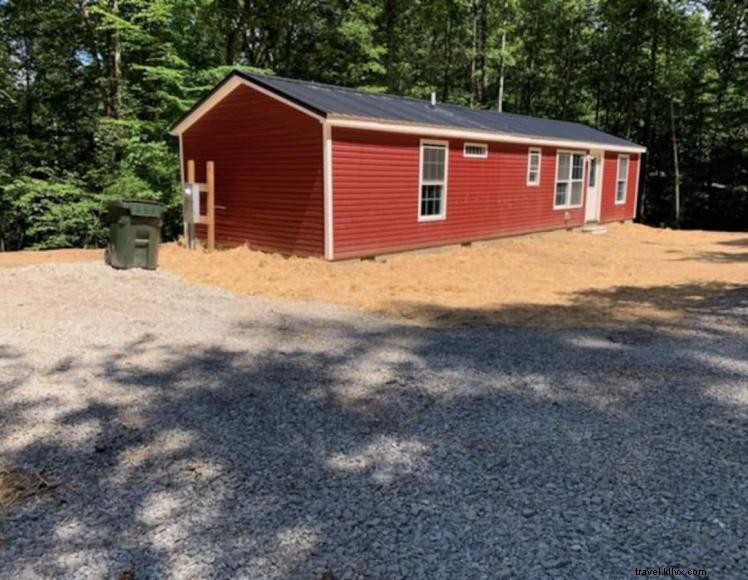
(569, 179)
(433, 180)
(622, 178)
(533, 166)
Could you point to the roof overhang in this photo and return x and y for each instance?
(369, 124)
(232, 81)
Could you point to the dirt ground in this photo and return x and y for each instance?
(562, 279)
(31, 257)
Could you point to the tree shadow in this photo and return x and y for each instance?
(640, 305)
(372, 448)
(742, 242)
(718, 257)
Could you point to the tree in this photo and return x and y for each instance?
(89, 87)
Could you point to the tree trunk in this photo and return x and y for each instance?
(93, 48)
(232, 44)
(483, 41)
(447, 53)
(474, 56)
(500, 104)
(568, 65)
(648, 120)
(391, 18)
(676, 168)
(29, 101)
(115, 73)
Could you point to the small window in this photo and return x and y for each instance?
(569, 180)
(433, 190)
(477, 150)
(534, 157)
(592, 178)
(622, 179)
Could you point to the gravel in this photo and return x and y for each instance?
(193, 433)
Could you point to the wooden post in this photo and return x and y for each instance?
(210, 178)
(191, 171)
(189, 229)
(209, 219)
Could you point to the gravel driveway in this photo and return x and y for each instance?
(198, 434)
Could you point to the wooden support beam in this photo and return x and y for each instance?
(209, 219)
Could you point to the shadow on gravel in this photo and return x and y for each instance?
(388, 450)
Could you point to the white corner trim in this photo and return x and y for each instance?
(227, 88)
(468, 134)
(600, 182)
(443, 214)
(636, 189)
(327, 188)
(181, 160)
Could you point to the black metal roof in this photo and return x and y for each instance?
(325, 100)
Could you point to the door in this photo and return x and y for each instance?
(594, 187)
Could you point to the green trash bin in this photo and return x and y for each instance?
(134, 234)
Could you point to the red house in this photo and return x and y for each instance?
(317, 170)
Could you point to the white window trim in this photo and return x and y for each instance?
(473, 155)
(443, 214)
(327, 191)
(625, 180)
(584, 178)
(530, 151)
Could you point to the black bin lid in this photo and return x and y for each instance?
(139, 207)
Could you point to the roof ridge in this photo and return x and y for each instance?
(343, 88)
(523, 116)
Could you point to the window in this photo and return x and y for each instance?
(569, 179)
(533, 166)
(622, 178)
(592, 178)
(433, 194)
(477, 150)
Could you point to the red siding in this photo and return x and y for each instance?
(609, 210)
(375, 192)
(268, 166)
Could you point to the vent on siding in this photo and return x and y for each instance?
(479, 150)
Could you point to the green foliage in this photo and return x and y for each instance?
(50, 213)
(88, 88)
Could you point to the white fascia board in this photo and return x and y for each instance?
(440, 131)
(222, 93)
